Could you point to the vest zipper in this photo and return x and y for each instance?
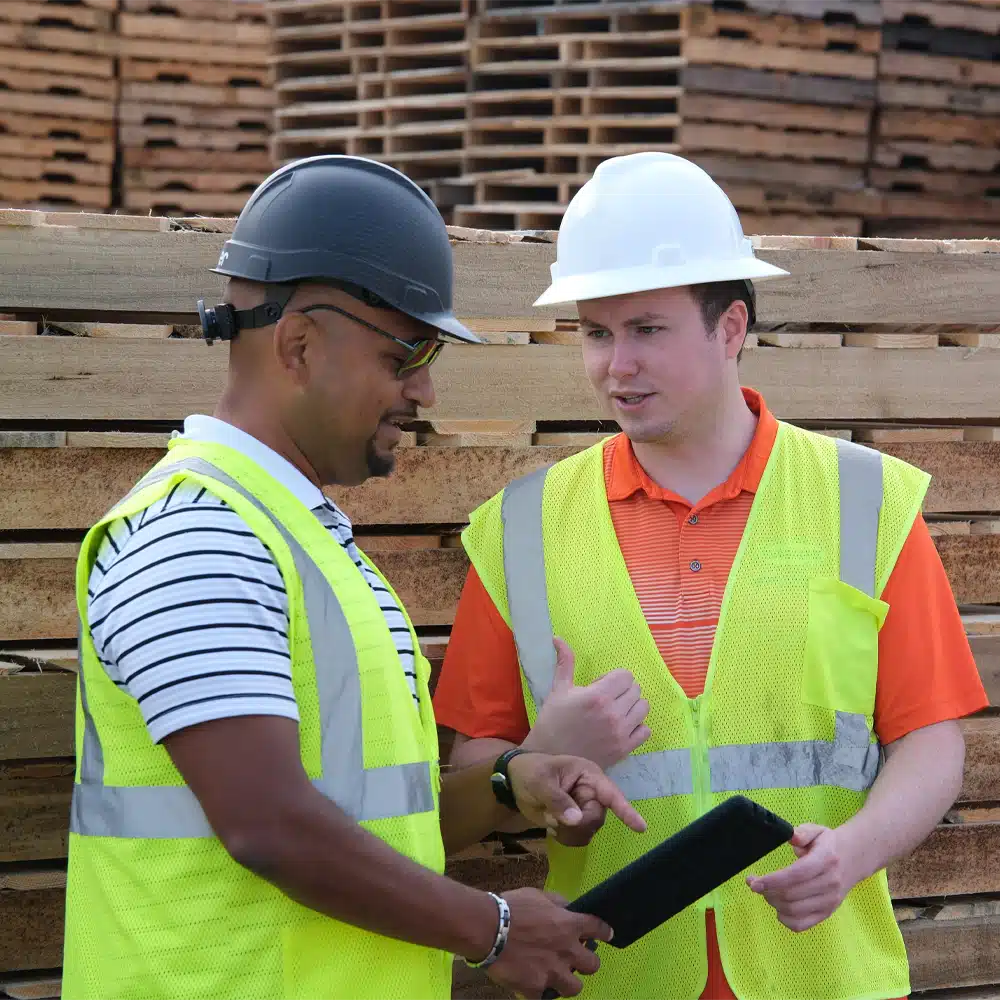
(699, 758)
(700, 775)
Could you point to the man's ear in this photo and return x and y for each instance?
(290, 340)
(733, 327)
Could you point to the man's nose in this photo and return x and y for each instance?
(418, 387)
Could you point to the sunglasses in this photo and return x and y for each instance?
(420, 353)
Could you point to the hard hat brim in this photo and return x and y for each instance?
(629, 280)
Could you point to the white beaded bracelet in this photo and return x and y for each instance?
(503, 928)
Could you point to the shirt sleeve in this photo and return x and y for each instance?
(927, 673)
(189, 615)
(479, 692)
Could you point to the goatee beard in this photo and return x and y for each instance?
(379, 466)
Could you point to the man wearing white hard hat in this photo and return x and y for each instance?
(741, 606)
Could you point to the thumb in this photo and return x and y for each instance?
(565, 665)
(804, 835)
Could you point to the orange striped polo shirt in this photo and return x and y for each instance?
(679, 566)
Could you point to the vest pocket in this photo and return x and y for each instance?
(840, 667)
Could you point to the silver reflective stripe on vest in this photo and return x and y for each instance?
(850, 761)
(860, 472)
(527, 591)
(654, 775)
(151, 812)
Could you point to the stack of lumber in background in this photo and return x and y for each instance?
(937, 135)
(380, 78)
(196, 104)
(57, 109)
(774, 98)
(98, 364)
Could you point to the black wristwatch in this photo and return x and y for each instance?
(501, 781)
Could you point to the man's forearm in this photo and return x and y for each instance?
(321, 858)
(920, 781)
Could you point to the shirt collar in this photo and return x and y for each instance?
(625, 476)
(210, 429)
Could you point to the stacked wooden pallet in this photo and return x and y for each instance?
(774, 98)
(936, 130)
(381, 78)
(196, 104)
(58, 107)
(98, 364)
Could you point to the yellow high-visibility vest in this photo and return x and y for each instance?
(155, 906)
(786, 714)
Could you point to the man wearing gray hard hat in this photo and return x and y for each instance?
(258, 808)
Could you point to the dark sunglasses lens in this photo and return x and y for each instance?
(422, 354)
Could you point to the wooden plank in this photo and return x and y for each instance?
(54, 192)
(921, 66)
(751, 139)
(50, 83)
(169, 158)
(53, 104)
(47, 126)
(193, 50)
(943, 14)
(938, 96)
(737, 52)
(197, 94)
(96, 43)
(33, 929)
(237, 34)
(781, 29)
(62, 171)
(31, 987)
(47, 270)
(763, 83)
(207, 10)
(535, 382)
(955, 860)
(147, 112)
(774, 114)
(898, 123)
(51, 149)
(34, 808)
(37, 719)
(81, 17)
(982, 736)
(953, 951)
(174, 71)
(57, 62)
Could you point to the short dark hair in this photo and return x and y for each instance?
(715, 297)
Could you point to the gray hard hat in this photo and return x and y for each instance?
(354, 222)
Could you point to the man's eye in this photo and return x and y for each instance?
(647, 330)
(595, 333)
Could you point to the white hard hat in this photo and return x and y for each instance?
(645, 221)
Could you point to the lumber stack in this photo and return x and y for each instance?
(380, 78)
(196, 104)
(936, 138)
(57, 133)
(890, 342)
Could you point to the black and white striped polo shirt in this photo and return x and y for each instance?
(188, 609)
